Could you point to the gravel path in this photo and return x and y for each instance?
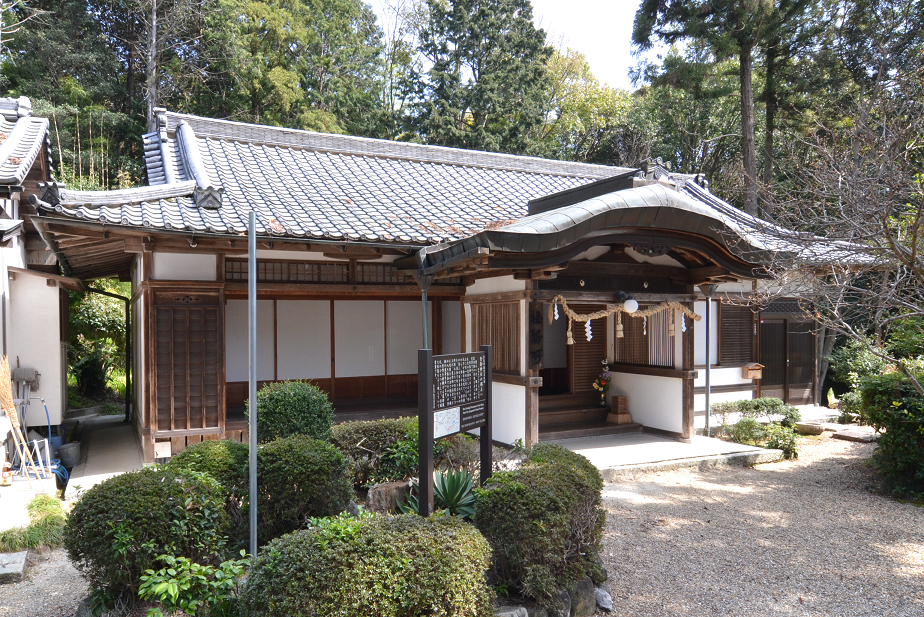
(52, 588)
(805, 537)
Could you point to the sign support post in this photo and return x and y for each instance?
(487, 432)
(425, 425)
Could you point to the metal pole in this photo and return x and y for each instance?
(708, 290)
(252, 397)
(426, 330)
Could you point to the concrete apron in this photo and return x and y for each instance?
(108, 448)
(624, 456)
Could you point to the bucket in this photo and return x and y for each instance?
(69, 454)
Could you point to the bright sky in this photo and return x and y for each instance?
(599, 29)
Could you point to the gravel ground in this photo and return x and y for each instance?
(805, 537)
(52, 588)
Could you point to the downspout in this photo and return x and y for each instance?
(128, 347)
(708, 290)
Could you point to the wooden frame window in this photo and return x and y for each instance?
(498, 324)
(737, 332)
(646, 344)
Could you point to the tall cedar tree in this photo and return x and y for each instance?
(731, 28)
(488, 80)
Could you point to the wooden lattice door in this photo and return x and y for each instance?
(586, 356)
(187, 362)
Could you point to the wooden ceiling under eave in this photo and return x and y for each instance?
(89, 255)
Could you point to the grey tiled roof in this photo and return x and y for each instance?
(314, 185)
(21, 139)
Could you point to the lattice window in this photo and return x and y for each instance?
(378, 273)
(647, 344)
(736, 334)
(498, 324)
(279, 271)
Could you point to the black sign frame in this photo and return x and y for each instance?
(466, 402)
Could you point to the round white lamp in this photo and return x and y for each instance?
(630, 305)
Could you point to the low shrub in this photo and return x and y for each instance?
(194, 589)
(368, 442)
(387, 566)
(119, 527)
(746, 430)
(300, 478)
(45, 529)
(227, 462)
(776, 410)
(293, 408)
(895, 409)
(782, 438)
(543, 521)
(851, 408)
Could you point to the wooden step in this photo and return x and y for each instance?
(578, 415)
(567, 431)
(568, 401)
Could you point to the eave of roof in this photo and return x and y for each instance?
(22, 143)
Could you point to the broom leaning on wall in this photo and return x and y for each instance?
(9, 409)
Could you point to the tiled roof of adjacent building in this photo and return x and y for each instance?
(21, 139)
(205, 176)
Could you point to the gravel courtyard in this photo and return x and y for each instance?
(805, 537)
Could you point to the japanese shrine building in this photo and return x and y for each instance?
(349, 231)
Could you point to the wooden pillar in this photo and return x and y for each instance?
(533, 381)
(688, 375)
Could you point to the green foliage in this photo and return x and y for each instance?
(773, 409)
(543, 521)
(96, 347)
(45, 529)
(300, 478)
(227, 462)
(906, 338)
(895, 409)
(119, 527)
(387, 566)
(367, 442)
(487, 82)
(851, 407)
(783, 438)
(194, 589)
(288, 408)
(452, 494)
(746, 430)
(853, 361)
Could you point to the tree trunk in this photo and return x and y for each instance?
(748, 146)
(826, 340)
(150, 94)
(770, 101)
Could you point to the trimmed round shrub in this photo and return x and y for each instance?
(544, 522)
(367, 442)
(387, 566)
(120, 527)
(293, 408)
(227, 462)
(300, 478)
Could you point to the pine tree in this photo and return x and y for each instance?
(488, 79)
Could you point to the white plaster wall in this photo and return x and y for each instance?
(184, 267)
(13, 256)
(359, 338)
(236, 341)
(404, 335)
(653, 401)
(699, 354)
(303, 339)
(720, 377)
(452, 326)
(35, 338)
(509, 408)
(467, 316)
(498, 284)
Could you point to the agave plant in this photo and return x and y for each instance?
(452, 494)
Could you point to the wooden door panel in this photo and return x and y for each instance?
(586, 356)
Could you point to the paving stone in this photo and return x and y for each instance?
(864, 436)
(12, 566)
(810, 428)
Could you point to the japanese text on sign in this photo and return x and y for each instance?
(458, 380)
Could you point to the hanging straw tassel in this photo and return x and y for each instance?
(619, 330)
(570, 339)
(670, 323)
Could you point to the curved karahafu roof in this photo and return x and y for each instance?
(643, 214)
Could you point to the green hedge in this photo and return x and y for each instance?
(893, 407)
(382, 566)
(120, 526)
(293, 408)
(773, 408)
(227, 462)
(300, 478)
(544, 522)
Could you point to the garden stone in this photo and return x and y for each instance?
(810, 428)
(12, 566)
(384, 498)
(604, 599)
(537, 611)
(510, 611)
(562, 603)
(583, 599)
(861, 435)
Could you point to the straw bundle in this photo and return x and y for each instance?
(6, 393)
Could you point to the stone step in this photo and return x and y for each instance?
(579, 415)
(567, 431)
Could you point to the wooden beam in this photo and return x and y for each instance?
(687, 393)
(592, 268)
